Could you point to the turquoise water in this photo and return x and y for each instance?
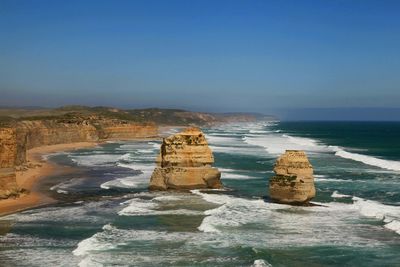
(106, 216)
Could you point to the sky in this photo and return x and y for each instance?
(219, 56)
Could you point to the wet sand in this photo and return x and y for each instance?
(38, 169)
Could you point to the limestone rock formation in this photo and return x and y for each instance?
(185, 163)
(293, 182)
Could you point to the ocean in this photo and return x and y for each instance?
(107, 217)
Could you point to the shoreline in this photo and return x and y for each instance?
(38, 169)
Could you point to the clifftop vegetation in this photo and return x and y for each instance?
(8, 116)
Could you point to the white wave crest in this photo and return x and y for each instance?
(277, 144)
(235, 176)
(369, 160)
(390, 215)
(156, 146)
(92, 243)
(394, 226)
(95, 159)
(336, 194)
(143, 207)
(127, 182)
(131, 181)
(261, 263)
(125, 157)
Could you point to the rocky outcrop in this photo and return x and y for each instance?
(293, 182)
(185, 163)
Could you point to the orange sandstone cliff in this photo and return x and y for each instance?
(23, 135)
(8, 153)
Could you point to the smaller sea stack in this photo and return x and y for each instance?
(185, 163)
(293, 182)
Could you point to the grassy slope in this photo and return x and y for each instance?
(159, 116)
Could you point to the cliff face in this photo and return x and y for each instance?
(129, 131)
(15, 140)
(30, 134)
(8, 152)
(185, 163)
(293, 181)
(39, 133)
(8, 147)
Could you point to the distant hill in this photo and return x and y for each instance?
(149, 115)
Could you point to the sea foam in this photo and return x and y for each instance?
(306, 225)
(336, 194)
(261, 263)
(369, 160)
(155, 206)
(95, 159)
(278, 143)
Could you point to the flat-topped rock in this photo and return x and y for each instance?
(187, 149)
(185, 163)
(293, 182)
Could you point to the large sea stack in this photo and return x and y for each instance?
(293, 182)
(185, 163)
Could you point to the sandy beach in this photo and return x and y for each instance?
(37, 170)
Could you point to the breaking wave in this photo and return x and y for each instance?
(369, 160)
(276, 144)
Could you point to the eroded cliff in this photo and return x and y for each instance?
(185, 163)
(17, 138)
(35, 133)
(293, 182)
(8, 153)
(8, 147)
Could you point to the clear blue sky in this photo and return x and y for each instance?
(201, 55)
